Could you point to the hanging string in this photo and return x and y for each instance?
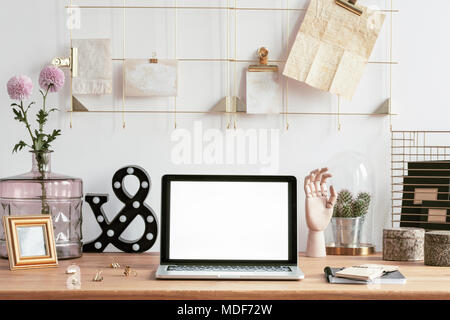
(175, 50)
(287, 50)
(71, 72)
(235, 64)
(123, 69)
(228, 93)
(390, 69)
(339, 113)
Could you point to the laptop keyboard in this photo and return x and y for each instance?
(230, 268)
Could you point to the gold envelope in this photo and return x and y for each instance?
(333, 47)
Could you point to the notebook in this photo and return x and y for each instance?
(394, 277)
(365, 272)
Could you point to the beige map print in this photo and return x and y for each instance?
(333, 47)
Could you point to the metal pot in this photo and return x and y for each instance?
(347, 231)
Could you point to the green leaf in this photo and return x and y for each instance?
(49, 138)
(18, 115)
(53, 136)
(40, 141)
(41, 117)
(19, 146)
(52, 110)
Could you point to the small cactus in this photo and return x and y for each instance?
(345, 197)
(363, 200)
(346, 211)
(358, 208)
(349, 207)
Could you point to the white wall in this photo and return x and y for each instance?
(33, 32)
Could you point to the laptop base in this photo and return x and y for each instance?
(294, 274)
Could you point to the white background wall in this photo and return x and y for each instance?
(33, 32)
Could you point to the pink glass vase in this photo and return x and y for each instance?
(41, 191)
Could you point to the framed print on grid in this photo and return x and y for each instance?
(426, 195)
(30, 242)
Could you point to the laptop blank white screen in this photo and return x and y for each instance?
(212, 220)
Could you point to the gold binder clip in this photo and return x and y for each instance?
(114, 264)
(350, 5)
(263, 55)
(153, 58)
(70, 62)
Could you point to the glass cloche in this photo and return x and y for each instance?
(351, 229)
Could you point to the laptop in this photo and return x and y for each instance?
(229, 227)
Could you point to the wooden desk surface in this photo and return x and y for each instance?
(423, 282)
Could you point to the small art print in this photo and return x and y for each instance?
(151, 79)
(333, 46)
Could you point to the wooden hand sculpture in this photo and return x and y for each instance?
(319, 209)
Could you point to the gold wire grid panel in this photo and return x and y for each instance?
(410, 183)
(231, 115)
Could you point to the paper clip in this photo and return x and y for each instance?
(114, 264)
(128, 271)
(263, 55)
(98, 276)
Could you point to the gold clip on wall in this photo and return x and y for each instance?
(420, 178)
(68, 62)
(232, 104)
(263, 65)
(350, 5)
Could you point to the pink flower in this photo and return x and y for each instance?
(19, 87)
(51, 78)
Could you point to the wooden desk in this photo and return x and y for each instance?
(423, 282)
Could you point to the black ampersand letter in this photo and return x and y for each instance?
(134, 206)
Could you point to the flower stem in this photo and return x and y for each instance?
(44, 99)
(41, 160)
(27, 124)
(40, 157)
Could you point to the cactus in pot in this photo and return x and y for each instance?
(349, 207)
(348, 217)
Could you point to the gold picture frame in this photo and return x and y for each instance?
(30, 242)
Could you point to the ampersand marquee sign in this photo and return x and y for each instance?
(134, 206)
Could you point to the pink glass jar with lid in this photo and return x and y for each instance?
(41, 191)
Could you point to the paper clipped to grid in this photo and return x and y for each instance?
(333, 47)
(145, 79)
(263, 92)
(95, 70)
